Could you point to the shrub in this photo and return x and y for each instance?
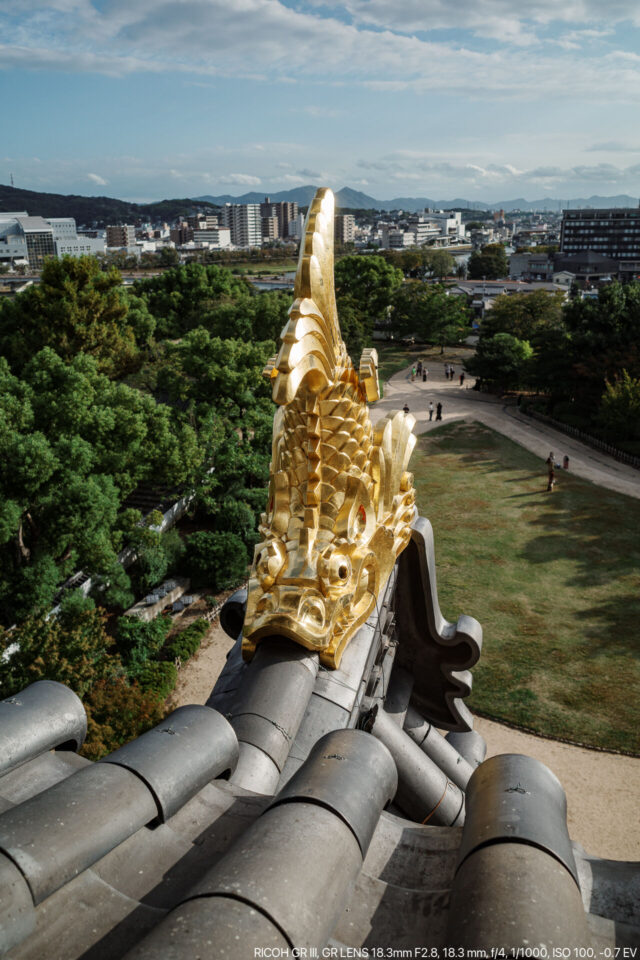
(71, 650)
(237, 517)
(138, 640)
(218, 560)
(116, 713)
(157, 677)
(188, 642)
(157, 555)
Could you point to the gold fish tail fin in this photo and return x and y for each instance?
(312, 348)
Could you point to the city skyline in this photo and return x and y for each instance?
(145, 101)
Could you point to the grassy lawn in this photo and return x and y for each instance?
(264, 267)
(554, 579)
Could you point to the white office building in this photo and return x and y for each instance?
(34, 239)
(245, 223)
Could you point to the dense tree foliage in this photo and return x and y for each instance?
(490, 263)
(502, 359)
(524, 314)
(194, 295)
(76, 308)
(73, 444)
(430, 314)
(364, 292)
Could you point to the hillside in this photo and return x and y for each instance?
(98, 211)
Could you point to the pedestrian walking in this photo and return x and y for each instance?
(462, 378)
(406, 408)
(551, 480)
(439, 412)
(425, 374)
(451, 373)
(419, 367)
(565, 462)
(446, 371)
(430, 409)
(413, 374)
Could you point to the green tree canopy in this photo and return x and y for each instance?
(429, 313)
(73, 445)
(523, 314)
(490, 263)
(619, 414)
(440, 263)
(502, 359)
(76, 308)
(364, 292)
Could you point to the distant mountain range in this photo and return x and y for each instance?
(105, 210)
(355, 199)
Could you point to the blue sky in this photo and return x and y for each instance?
(483, 99)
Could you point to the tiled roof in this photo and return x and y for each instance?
(310, 807)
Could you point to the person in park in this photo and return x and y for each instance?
(430, 409)
(425, 374)
(462, 378)
(551, 473)
(439, 411)
(406, 408)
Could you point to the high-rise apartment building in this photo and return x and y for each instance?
(286, 212)
(344, 228)
(270, 228)
(121, 236)
(245, 223)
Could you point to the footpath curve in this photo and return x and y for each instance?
(596, 783)
(460, 403)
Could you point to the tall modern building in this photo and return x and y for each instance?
(245, 223)
(283, 210)
(344, 226)
(121, 236)
(612, 233)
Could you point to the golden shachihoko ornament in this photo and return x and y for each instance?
(340, 499)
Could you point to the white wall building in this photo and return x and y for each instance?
(214, 237)
(35, 238)
(245, 222)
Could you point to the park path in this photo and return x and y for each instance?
(460, 403)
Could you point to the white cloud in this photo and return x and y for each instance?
(213, 37)
(613, 146)
(95, 178)
(242, 179)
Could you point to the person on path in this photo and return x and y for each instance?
(462, 378)
(425, 374)
(446, 371)
(430, 409)
(406, 408)
(419, 367)
(413, 374)
(439, 412)
(565, 462)
(551, 474)
(451, 373)
(552, 479)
